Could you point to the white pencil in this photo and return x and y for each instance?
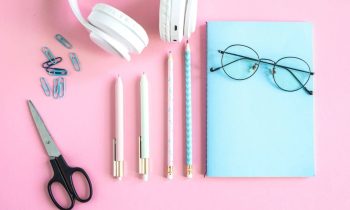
(170, 168)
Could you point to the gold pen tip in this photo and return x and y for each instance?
(170, 172)
(189, 171)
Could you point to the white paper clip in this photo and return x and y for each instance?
(75, 61)
(48, 54)
(45, 86)
(63, 41)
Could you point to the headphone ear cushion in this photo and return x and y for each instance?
(190, 18)
(110, 45)
(164, 19)
(119, 26)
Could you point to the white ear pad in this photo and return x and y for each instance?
(112, 30)
(190, 18)
(164, 19)
(119, 26)
(111, 47)
(177, 20)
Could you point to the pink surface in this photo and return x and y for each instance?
(82, 123)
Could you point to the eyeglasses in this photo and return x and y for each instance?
(240, 62)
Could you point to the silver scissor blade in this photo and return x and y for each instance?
(46, 138)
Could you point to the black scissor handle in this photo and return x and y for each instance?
(59, 178)
(68, 173)
(77, 196)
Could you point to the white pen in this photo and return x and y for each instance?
(118, 142)
(170, 168)
(144, 138)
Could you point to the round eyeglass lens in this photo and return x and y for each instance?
(291, 74)
(239, 62)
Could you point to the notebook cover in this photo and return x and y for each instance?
(255, 129)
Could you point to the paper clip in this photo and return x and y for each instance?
(61, 87)
(45, 86)
(63, 41)
(75, 61)
(55, 88)
(49, 63)
(56, 72)
(48, 54)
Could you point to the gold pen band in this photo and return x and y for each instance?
(143, 162)
(143, 166)
(118, 165)
(118, 168)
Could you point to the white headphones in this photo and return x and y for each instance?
(177, 18)
(113, 30)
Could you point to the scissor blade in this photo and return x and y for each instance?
(46, 138)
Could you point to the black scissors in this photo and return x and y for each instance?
(63, 173)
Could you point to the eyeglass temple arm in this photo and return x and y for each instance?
(218, 68)
(310, 92)
(261, 61)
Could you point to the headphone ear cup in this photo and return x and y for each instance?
(190, 18)
(177, 20)
(109, 44)
(119, 26)
(112, 30)
(164, 19)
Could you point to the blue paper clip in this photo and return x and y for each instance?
(56, 72)
(49, 63)
(55, 88)
(48, 54)
(63, 41)
(61, 87)
(75, 61)
(45, 86)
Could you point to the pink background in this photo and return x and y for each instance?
(82, 123)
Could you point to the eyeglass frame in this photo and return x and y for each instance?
(265, 61)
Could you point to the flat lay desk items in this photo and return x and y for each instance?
(259, 123)
(63, 173)
(260, 111)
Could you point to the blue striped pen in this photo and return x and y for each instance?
(188, 111)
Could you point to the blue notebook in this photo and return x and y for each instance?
(254, 129)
